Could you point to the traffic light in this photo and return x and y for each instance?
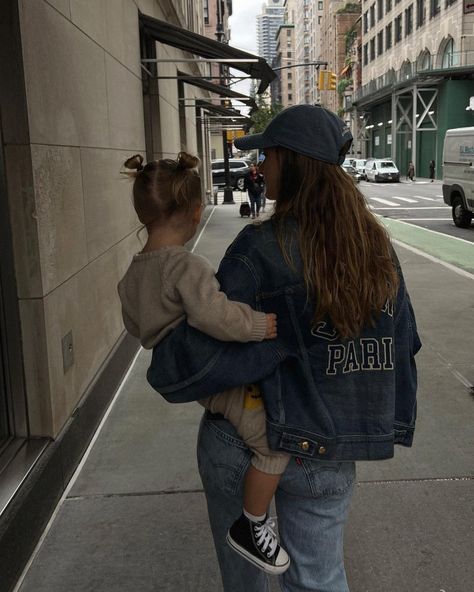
(327, 80)
(323, 80)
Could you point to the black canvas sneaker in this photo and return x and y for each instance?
(258, 543)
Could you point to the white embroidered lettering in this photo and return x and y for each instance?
(370, 354)
(336, 356)
(351, 364)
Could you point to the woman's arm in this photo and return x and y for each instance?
(188, 365)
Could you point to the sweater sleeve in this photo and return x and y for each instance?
(193, 282)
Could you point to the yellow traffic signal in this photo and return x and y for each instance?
(323, 80)
(327, 80)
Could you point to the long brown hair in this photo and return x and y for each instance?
(346, 252)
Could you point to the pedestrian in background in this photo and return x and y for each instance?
(432, 170)
(411, 171)
(254, 184)
(338, 383)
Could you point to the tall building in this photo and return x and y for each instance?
(338, 20)
(268, 24)
(307, 49)
(417, 78)
(283, 87)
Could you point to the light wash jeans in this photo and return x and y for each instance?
(311, 502)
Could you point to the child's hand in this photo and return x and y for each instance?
(271, 331)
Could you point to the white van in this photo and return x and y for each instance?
(458, 174)
(381, 169)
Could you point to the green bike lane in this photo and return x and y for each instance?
(453, 251)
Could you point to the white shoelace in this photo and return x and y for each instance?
(266, 537)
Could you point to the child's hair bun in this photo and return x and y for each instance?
(134, 163)
(187, 161)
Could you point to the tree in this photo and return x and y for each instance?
(262, 116)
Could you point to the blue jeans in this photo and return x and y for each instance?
(311, 503)
(255, 202)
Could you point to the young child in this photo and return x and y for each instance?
(166, 283)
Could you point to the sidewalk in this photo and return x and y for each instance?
(134, 517)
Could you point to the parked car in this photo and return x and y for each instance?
(350, 170)
(458, 178)
(381, 169)
(238, 168)
(359, 165)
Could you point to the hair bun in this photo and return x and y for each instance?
(134, 163)
(187, 161)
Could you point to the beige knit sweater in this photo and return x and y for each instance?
(160, 288)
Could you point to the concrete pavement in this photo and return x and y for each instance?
(134, 516)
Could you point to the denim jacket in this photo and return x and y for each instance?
(324, 397)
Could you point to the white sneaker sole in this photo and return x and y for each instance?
(273, 570)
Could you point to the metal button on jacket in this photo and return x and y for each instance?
(304, 445)
(322, 450)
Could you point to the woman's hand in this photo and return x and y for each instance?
(271, 331)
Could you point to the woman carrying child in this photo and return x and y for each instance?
(339, 380)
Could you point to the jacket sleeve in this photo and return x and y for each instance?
(189, 365)
(407, 344)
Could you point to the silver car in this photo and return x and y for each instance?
(238, 169)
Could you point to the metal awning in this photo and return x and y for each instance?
(254, 66)
(223, 111)
(218, 89)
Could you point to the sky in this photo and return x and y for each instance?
(243, 26)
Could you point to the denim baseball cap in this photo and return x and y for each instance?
(311, 130)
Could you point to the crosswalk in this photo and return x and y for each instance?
(398, 201)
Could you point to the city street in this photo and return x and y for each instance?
(419, 203)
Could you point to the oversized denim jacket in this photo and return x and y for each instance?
(324, 397)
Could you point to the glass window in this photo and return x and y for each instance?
(372, 15)
(380, 43)
(435, 7)
(388, 6)
(320, 5)
(290, 97)
(379, 9)
(450, 58)
(409, 20)
(420, 13)
(388, 36)
(366, 21)
(398, 28)
(206, 11)
(366, 54)
(372, 49)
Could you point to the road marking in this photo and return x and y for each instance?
(414, 207)
(407, 199)
(385, 201)
(428, 219)
(427, 198)
(458, 270)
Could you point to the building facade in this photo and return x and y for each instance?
(307, 19)
(268, 23)
(83, 86)
(284, 87)
(417, 77)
